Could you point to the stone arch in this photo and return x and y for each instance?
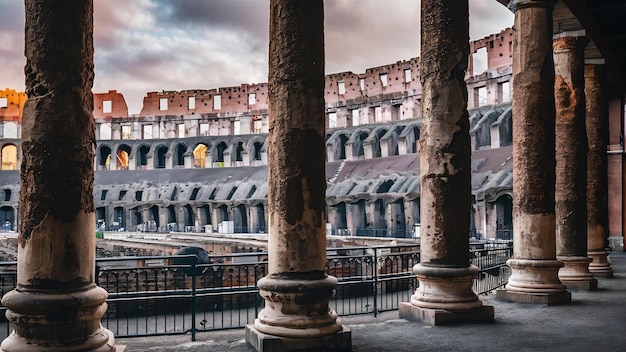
(7, 218)
(160, 152)
(123, 157)
(371, 144)
(179, 149)
(219, 151)
(172, 221)
(104, 156)
(240, 218)
(188, 218)
(142, 152)
(504, 217)
(355, 144)
(199, 155)
(155, 218)
(9, 156)
(336, 145)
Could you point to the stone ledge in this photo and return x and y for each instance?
(429, 316)
(339, 342)
(534, 298)
(587, 285)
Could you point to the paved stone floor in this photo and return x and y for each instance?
(594, 321)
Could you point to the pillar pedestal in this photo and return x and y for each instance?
(57, 321)
(445, 296)
(575, 273)
(535, 281)
(296, 316)
(600, 265)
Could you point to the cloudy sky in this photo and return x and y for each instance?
(153, 45)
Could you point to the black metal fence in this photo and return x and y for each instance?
(176, 295)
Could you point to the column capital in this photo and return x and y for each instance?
(515, 5)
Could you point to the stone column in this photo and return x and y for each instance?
(534, 277)
(56, 305)
(597, 179)
(445, 276)
(571, 161)
(296, 289)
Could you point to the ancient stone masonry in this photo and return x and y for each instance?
(571, 161)
(445, 278)
(56, 304)
(534, 277)
(597, 187)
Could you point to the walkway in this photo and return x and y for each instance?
(595, 321)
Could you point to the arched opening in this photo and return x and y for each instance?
(257, 150)
(397, 221)
(261, 227)
(154, 224)
(379, 135)
(341, 147)
(358, 151)
(101, 218)
(219, 149)
(118, 219)
(199, 156)
(11, 130)
(137, 219)
(341, 223)
(504, 217)
(105, 131)
(142, 157)
(380, 225)
(122, 157)
(180, 155)
(359, 219)
(172, 224)
(241, 219)
(7, 216)
(9, 157)
(189, 218)
(239, 152)
(104, 159)
(159, 160)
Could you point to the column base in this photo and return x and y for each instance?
(575, 273)
(483, 314)
(535, 281)
(600, 266)
(549, 299)
(262, 342)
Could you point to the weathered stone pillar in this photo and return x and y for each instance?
(597, 180)
(445, 276)
(297, 290)
(571, 161)
(56, 305)
(534, 277)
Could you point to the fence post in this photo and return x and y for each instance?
(193, 298)
(375, 269)
(256, 296)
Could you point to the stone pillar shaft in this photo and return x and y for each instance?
(534, 277)
(445, 165)
(296, 290)
(56, 303)
(571, 162)
(597, 112)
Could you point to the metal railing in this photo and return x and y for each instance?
(168, 295)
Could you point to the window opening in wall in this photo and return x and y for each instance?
(105, 131)
(479, 61)
(138, 195)
(204, 129)
(332, 120)
(355, 117)
(194, 193)
(4, 102)
(239, 152)
(257, 150)
(251, 98)
(103, 194)
(126, 132)
(481, 96)
(10, 130)
(236, 127)
(257, 124)
(181, 130)
(341, 86)
(362, 83)
(378, 114)
(506, 92)
(383, 79)
(407, 75)
(107, 106)
(146, 132)
(7, 195)
(163, 104)
(121, 195)
(122, 159)
(217, 102)
(191, 103)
